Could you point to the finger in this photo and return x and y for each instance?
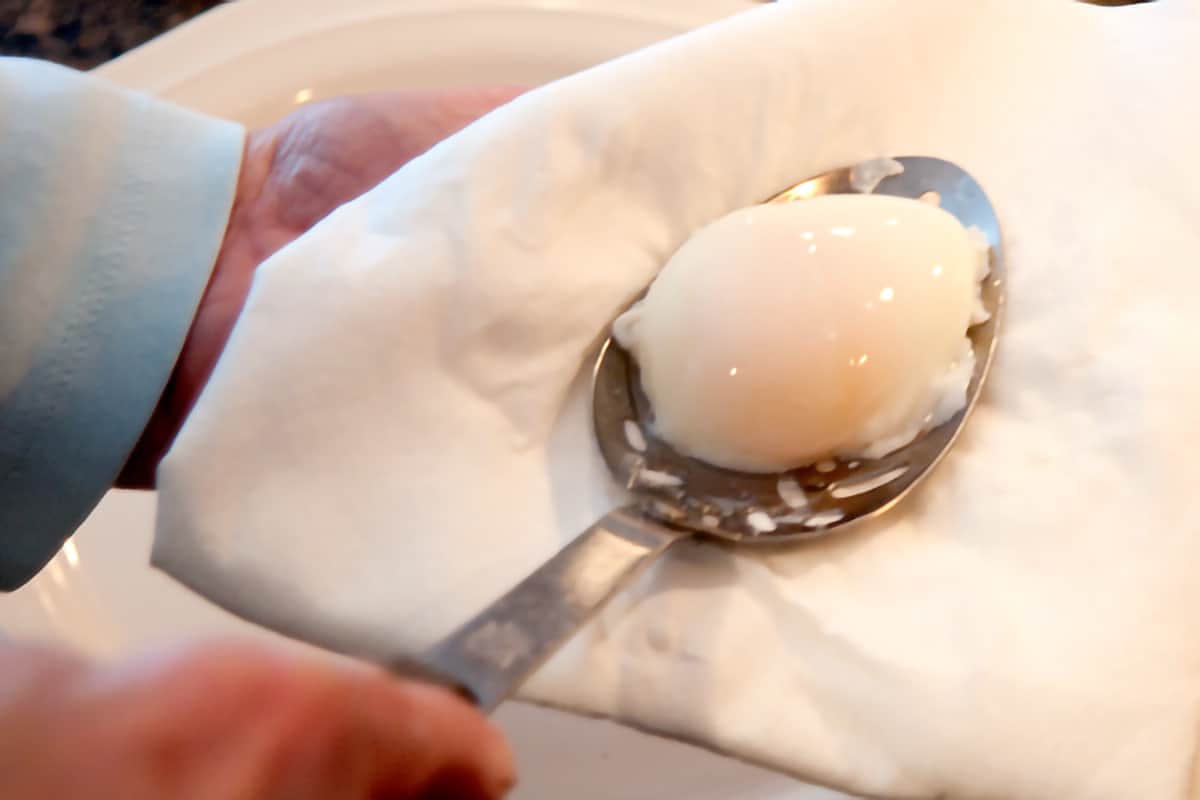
(432, 743)
(420, 118)
(355, 726)
(441, 112)
(31, 703)
(33, 669)
(235, 717)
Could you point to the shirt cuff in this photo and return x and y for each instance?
(113, 206)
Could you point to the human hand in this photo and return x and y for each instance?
(294, 173)
(231, 721)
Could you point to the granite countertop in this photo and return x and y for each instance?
(84, 33)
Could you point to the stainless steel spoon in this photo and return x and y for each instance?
(674, 498)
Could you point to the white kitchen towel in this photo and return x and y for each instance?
(397, 433)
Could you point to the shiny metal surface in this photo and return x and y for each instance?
(747, 507)
(675, 497)
(491, 655)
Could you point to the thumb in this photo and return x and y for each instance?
(431, 744)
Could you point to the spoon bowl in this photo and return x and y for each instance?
(673, 497)
(810, 501)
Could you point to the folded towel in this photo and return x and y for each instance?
(398, 433)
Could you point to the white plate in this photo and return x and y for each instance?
(252, 61)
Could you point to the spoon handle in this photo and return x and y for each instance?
(493, 653)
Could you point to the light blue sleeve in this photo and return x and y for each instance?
(112, 209)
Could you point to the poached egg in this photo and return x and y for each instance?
(784, 334)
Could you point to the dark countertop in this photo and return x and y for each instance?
(84, 33)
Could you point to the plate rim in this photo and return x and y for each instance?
(240, 28)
